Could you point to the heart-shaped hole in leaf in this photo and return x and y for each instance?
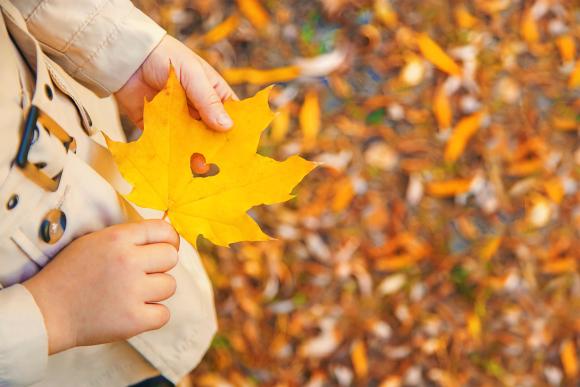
(200, 168)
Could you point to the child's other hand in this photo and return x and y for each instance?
(206, 90)
(106, 286)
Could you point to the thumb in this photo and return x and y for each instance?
(203, 96)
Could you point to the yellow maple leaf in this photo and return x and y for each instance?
(158, 165)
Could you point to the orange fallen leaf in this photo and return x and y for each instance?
(563, 265)
(490, 247)
(358, 355)
(529, 28)
(222, 30)
(309, 118)
(385, 14)
(565, 124)
(435, 54)
(569, 359)
(236, 76)
(574, 80)
(463, 131)
(343, 194)
(442, 108)
(555, 189)
(448, 188)
(281, 124)
(474, 326)
(255, 13)
(463, 18)
(567, 47)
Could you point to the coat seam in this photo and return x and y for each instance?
(38, 5)
(88, 20)
(108, 38)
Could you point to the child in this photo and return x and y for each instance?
(90, 293)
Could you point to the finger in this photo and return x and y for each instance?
(155, 316)
(148, 231)
(204, 97)
(193, 112)
(158, 287)
(158, 257)
(220, 85)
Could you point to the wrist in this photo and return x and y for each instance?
(57, 320)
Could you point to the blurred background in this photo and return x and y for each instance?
(439, 242)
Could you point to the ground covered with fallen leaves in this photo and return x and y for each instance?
(439, 242)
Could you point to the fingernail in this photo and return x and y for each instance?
(225, 121)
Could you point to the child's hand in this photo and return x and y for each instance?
(105, 286)
(205, 88)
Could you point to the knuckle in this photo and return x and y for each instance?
(124, 259)
(115, 234)
(134, 318)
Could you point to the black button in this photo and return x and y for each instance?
(53, 226)
(12, 202)
(48, 91)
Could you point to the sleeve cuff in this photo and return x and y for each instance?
(23, 338)
(121, 52)
(103, 52)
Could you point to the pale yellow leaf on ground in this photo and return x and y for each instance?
(435, 54)
(158, 167)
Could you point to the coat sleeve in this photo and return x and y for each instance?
(23, 338)
(101, 43)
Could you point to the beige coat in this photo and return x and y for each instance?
(100, 43)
